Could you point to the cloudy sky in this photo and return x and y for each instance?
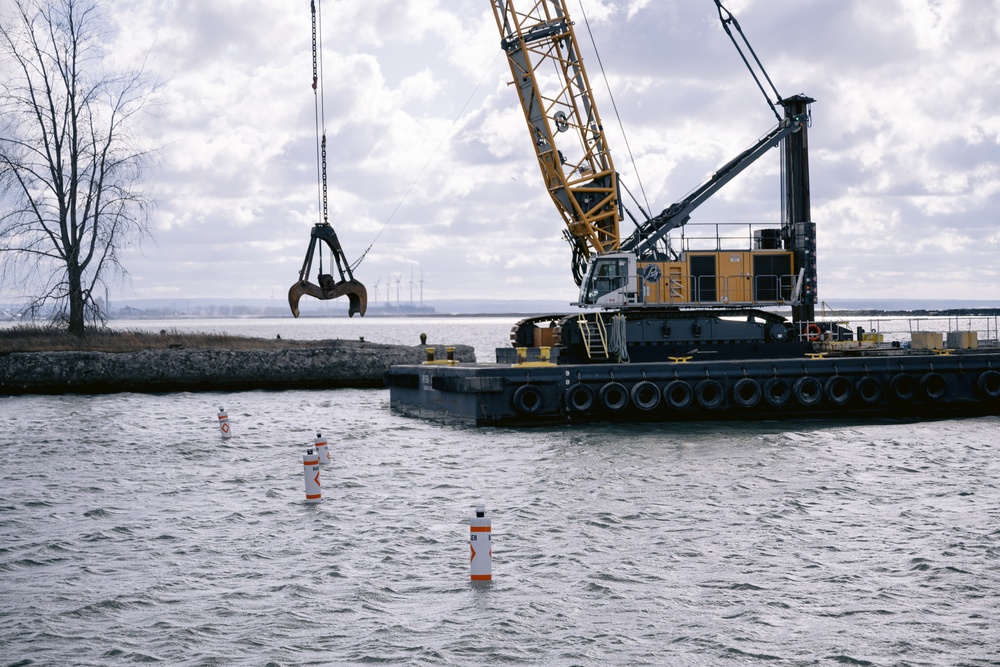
(430, 163)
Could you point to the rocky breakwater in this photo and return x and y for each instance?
(328, 364)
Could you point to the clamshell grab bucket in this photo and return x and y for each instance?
(327, 289)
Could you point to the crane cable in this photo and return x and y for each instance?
(617, 339)
(428, 163)
(728, 19)
(319, 103)
(614, 106)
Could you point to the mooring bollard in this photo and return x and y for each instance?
(481, 546)
(322, 449)
(310, 469)
(224, 427)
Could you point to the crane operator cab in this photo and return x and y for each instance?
(610, 281)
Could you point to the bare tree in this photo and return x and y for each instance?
(71, 165)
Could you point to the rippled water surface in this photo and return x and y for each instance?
(131, 532)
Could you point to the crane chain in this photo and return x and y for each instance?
(315, 85)
(323, 151)
(315, 70)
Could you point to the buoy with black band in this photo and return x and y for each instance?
(645, 395)
(807, 391)
(528, 399)
(777, 392)
(746, 392)
(678, 394)
(580, 397)
(838, 390)
(868, 389)
(613, 396)
(709, 394)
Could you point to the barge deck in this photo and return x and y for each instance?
(835, 381)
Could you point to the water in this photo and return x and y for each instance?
(130, 532)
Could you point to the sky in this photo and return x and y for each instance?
(430, 163)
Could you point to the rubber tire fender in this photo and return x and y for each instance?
(747, 392)
(902, 387)
(868, 390)
(613, 396)
(678, 394)
(645, 395)
(580, 397)
(988, 384)
(933, 386)
(528, 399)
(709, 393)
(807, 390)
(838, 390)
(777, 392)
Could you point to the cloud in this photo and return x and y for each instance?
(430, 164)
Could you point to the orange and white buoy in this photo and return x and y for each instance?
(224, 427)
(322, 449)
(310, 469)
(481, 546)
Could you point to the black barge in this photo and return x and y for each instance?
(827, 380)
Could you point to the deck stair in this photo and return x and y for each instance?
(595, 335)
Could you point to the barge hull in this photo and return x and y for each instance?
(910, 385)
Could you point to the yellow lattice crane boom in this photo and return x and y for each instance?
(556, 98)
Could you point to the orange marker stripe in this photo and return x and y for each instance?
(312, 496)
(311, 463)
(482, 577)
(479, 529)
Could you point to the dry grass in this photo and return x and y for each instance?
(51, 339)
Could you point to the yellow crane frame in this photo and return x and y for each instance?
(556, 99)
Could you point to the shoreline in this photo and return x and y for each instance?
(833, 313)
(337, 364)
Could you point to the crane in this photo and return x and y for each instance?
(643, 275)
(322, 232)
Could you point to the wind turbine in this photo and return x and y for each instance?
(399, 277)
(421, 287)
(375, 287)
(411, 287)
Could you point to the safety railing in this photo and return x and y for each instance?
(901, 331)
(719, 236)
